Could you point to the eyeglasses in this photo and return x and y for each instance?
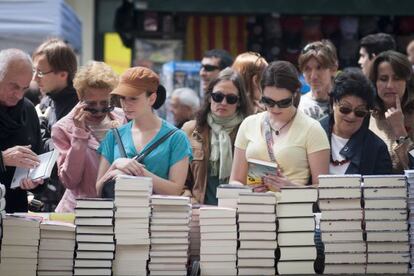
(361, 112)
(219, 96)
(95, 110)
(40, 74)
(285, 103)
(209, 67)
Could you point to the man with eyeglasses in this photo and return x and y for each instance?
(318, 62)
(212, 63)
(20, 139)
(54, 68)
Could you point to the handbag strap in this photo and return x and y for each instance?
(118, 140)
(148, 150)
(268, 138)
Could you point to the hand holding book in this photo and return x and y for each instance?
(20, 157)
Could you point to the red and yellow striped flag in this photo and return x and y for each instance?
(210, 32)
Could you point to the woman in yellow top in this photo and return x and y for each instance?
(282, 134)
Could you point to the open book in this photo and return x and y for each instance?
(43, 171)
(258, 169)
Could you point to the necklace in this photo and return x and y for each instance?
(277, 131)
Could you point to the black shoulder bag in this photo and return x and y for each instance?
(108, 186)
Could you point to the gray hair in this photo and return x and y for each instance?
(7, 56)
(187, 97)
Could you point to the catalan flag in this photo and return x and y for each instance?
(209, 32)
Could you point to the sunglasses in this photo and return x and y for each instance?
(361, 113)
(209, 68)
(219, 96)
(285, 103)
(95, 110)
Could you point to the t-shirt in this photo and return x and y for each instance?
(159, 160)
(338, 143)
(313, 108)
(305, 136)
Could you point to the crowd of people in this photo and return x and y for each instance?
(352, 121)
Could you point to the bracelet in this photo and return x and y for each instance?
(402, 139)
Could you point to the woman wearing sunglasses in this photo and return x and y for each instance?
(283, 135)
(393, 115)
(78, 134)
(250, 66)
(212, 135)
(167, 163)
(354, 148)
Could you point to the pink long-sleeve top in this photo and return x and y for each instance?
(78, 159)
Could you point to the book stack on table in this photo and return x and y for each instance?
(20, 245)
(218, 248)
(132, 202)
(410, 182)
(56, 249)
(296, 230)
(385, 198)
(228, 194)
(2, 208)
(195, 234)
(257, 233)
(170, 235)
(341, 224)
(94, 236)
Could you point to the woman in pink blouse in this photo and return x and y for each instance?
(78, 134)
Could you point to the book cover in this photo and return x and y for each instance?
(43, 171)
(258, 169)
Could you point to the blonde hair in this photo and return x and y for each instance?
(95, 74)
(249, 65)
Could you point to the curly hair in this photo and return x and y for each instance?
(95, 74)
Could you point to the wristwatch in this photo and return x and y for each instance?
(401, 139)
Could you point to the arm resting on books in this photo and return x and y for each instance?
(239, 168)
(72, 155)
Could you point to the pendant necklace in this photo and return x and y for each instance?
(277, 131)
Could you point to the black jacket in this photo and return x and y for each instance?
(366, 151)
(60, 103)
(24, 120)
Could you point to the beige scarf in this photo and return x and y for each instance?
(221, 155)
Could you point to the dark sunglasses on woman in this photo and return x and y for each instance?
(361, 113)
(95, 110)
(285, 103)
(218, 97)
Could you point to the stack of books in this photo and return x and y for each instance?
(296, 230)
(410, 182)
(56, 249)
(228, 194)
(2, 208)
(341, 223)
(20, 245)
(218, 248)
(94, 236)
(195, 234)
(2, 203)
(132, 202)
(386, 224)
(257, 233)
(170, 229)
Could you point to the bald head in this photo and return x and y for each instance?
(16, 72)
